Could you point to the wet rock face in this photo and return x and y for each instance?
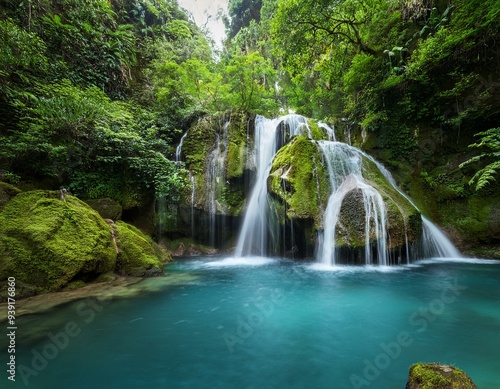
(352, 219)
(216, 150)
(438, 376)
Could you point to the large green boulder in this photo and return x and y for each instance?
(299, 179)
(48, 240)
(138, 255)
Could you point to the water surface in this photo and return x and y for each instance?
(269, 323)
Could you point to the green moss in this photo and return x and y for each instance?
(137, 255)
(233, 198)
(106, 277)
(437, 376)
(75, 285)
(237, 134)
(107, 208)
(294, 178)
(236, 159)
(7, 191)
(316, 131)
(199, 144)
(47, 242)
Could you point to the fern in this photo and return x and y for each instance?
(489, 139)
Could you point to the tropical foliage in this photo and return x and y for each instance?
(485, 176)
(95, 94)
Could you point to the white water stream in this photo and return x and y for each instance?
(256, 229)
(344, 165)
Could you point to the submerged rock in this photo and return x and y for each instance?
(438, 376)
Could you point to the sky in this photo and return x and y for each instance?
(207, 9)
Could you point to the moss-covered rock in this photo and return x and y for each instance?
(138, 255)
(470, 219)
(300, 179)
(107, 208)
(228, 136)
(47, 241)
(438, 376)
(7, 191)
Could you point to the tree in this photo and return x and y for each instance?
(307, 30)
(251, 79)
(241, 13)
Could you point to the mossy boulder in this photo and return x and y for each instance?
(299, 179)
(438, 376)
(7, 191)
(107, 208)
(138, 255)
(47, 241)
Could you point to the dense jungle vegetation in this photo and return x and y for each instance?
(95, 94)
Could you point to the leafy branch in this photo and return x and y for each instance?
(489, 139)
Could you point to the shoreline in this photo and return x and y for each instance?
(47, 301)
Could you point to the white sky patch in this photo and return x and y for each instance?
(205, 13)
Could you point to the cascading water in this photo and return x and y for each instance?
(330, 131)
(178, 150)
(164, 212)
(269, 136)
(344, 165)
(215, 180)
(435, 243)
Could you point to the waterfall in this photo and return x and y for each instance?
(193, 189)
(344, 165)
(350, 193)
(215, 180)
(178, 150)
(330, 131)
(270, 135)
(435, 242)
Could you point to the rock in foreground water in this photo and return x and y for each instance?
(438, 376)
